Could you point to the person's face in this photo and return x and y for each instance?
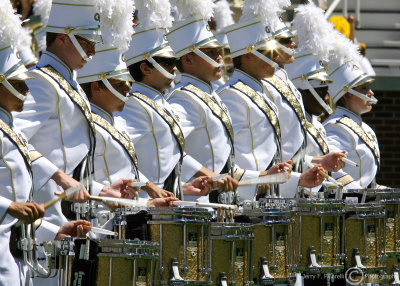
(9, 101)
(72, 57)
(311, 105)
(123, 87)
(283, 57)
(356, 104)
(206, 71)
(161, 82)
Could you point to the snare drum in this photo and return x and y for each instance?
(230, 251)
(273, 251)
(126, 262)
(317, 234)
(183, 235)
(363, 231)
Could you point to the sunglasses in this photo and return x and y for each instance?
(168, 62)
(285, 41)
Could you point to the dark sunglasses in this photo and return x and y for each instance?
(168, 62)
(285, 41)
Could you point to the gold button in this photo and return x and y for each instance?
(192, 48)
(2, 77)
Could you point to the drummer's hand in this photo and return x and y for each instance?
(66, 182)
(278, 168)
(26, 212)
(162, 202)
(200, 186)
(73, 229)
(333, 161)
(311, 178)
(226, 184)
(156, 192)
(262, 189)
(120, 189)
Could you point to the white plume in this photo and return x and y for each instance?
(10, 26)
(25, 41)
(194, 8)
(154, 13)
(267, 10)
(343, 50)
(116, 18)
(42, 8)
(223, 15)
(313, 31)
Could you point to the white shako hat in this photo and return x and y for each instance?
(41, 9)
(190, 31)
(11, 66)
(107, 62)
(309, 70)
(148, 41)
(252, 32)
(344, 71)
(84, 18)
(223, 18)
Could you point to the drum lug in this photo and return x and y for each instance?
(357, 258)
(264, 271)
(222, 280)
(175, 276)
(395, 275)
(313, 258)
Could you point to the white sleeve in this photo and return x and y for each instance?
(4, 205)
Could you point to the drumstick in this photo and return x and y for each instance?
(326, 176)
(100, 230)
(63, 195)
(137, 184)
(278, 178)
(348, 161)
(205, 205)
(220, 177)
(120, 201)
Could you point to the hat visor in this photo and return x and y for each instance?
(123, 76)
(94, 38)
(285, 34)
(212, 43)
(165, 52)
(365, 79)
(321, 76)
(267, 45)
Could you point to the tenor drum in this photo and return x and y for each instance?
(318, 243)
(231, 252)
(364, 230)
(273, 251)
(183, 235)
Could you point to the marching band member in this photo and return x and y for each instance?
(345, 129)
(254, 116)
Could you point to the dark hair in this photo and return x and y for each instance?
(136, 73)
(179, 65)
(88, 90)
(237, 62)
(50, 38)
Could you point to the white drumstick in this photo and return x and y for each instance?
(205, 205)
(278, 178)
(100, 230)
(220, 177)
(351, 163)
(325, 175)
(137, 184)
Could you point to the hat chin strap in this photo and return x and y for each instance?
(113, 90)
(161, 69)
(206, 58)
(265, 59)
(13, 90)
(372, 99)
(318, 98)
(78, 47)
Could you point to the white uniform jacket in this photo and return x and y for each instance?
(206, 138)
(291, 128)
(346, 131)
(55, 126)
(15, 186)
(157, 147)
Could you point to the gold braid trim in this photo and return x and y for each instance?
(287, 93)
(317, 136)
(34, 155)
(72, 93)
(118, 136)
(262, 105)
(350, 123)
(173, 125)
(238, 174)
(215, 108)
(345, 180)
(21, 146)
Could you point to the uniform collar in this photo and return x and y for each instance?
(51, 59)
(6, 116)
(147, 90)
(101, 112)
(341, 111)
(187, 78)
(281, 73)
(247, 79)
